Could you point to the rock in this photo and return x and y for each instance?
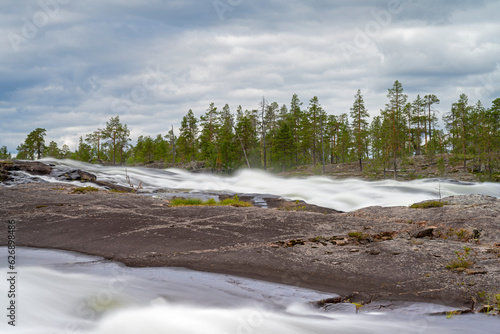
(422, 233)
(474, 199)
(32, 167)
(475, 272)
(327, 301)
(72, 175)
(341, 308)
(410, 307)
(111, 186)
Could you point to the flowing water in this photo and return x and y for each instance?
(63, 292)
(60, 292)
(343, 195)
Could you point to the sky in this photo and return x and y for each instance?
(69, 66)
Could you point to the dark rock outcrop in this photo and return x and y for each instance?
(32, 167)
(72, 175)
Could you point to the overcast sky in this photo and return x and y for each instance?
(68, 66)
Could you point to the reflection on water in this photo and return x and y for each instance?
(61, 292)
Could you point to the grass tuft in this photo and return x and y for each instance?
(358, 235)
(84, 190)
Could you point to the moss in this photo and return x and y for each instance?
(358, 235)
(235, 201)
(84, 190)
(41, 206)
(186, 201)
(427, 205)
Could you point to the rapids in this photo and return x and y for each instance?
(343, 195)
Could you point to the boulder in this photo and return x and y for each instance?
(422, 233)
(31, 167)
(72, 175)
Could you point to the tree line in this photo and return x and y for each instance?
(284, 136)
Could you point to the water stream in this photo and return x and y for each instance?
(63, 292)
(343, 195)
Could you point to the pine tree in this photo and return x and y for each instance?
(4, 153)
(394, 117)
(94, 140)
(52, 150)
(246, 128)
(117, 136)
(226, 140)
(458, 123)
(187, 136)
(33, 144)
(208, 136)
(283, 146)
(418, 118)
(359, 114)
(295, 118)
(314, 113)
(83, 153)
(430, 100)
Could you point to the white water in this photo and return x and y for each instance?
(344, 195)
(61, 292)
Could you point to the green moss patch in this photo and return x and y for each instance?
(427, 205)
(235, 201)
(84, 190)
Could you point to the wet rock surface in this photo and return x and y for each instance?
(390, 254)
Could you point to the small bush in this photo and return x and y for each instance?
(84, 190)
(462, 260)
(427, 205)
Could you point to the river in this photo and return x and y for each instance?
(343, 195)
(62, 292)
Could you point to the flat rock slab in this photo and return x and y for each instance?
(370, 251)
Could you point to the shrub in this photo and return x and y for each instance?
(462, 260)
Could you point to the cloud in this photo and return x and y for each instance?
(150, 62)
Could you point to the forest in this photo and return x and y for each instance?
(274, 137)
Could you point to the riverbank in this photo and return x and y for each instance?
(372, 254)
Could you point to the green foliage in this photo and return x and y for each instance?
(284, 137)
(359, 125)
(33, 146)
(358, 235)
(235, 201)
(4, 153)
(427, 205)
(116, 135)
(84, 190)
(186, 202)
(462, 259)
